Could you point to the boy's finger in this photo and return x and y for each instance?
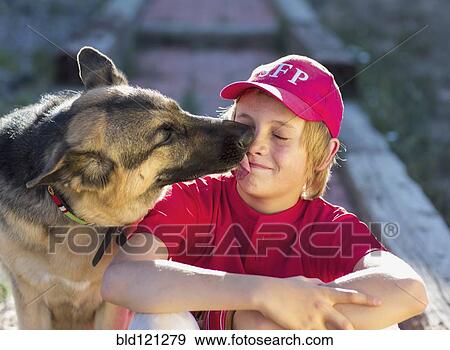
(335, 320)
(347, 296)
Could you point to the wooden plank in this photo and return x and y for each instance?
(297, 12)
(378, 180)
(205, 34)
(385, 193)
(304, 34)
(354, 121)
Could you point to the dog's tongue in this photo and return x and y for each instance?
(245, 164)
(243, 169)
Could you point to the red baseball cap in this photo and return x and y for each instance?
(302, 84)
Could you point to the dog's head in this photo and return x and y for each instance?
(124, 144)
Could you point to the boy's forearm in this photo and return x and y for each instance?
(162, 286)
(402, 298)
(252, 319)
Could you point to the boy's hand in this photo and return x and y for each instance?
(307, 303)
(252, 319)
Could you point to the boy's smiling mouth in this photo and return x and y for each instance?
(246, 167)
(258, 166)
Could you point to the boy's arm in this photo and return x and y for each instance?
(386, 276)
(145, 285)
(254, 320)
(378, 273)
(148, 283)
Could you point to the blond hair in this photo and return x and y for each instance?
(315, 140)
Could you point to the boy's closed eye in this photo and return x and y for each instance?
(280, 137)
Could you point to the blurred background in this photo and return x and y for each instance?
(389, 55)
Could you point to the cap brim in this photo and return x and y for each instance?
(291, 101)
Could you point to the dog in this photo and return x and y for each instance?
(100, 157)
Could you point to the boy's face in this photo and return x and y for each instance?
(276, 147)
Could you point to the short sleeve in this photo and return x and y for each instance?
(169, 220)
(218, 320)
(338, 245)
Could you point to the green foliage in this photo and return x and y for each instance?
(189, 101)
(399, 91)
(8, 61)
(3, 292)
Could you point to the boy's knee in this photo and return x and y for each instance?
(180, 320)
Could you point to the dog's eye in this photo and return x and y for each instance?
(167, 132)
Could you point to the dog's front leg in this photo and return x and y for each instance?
(32, 312)
(110, 316)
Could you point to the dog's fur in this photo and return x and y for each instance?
(110, 151)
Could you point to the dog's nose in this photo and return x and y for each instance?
(244, 133)
(246, 138)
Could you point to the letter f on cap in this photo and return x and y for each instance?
(280, 70)
(284, 68)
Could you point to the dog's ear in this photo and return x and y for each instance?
(88, 171)
(53, 165)
(96, 69)
(81, 171)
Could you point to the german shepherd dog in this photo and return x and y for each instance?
(108, 152)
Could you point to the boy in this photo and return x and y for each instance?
(259, 248)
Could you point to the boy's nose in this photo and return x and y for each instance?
(258, 145)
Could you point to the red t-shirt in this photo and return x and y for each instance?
(206, 223)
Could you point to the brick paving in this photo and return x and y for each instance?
(199, 74)
(207, 11)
